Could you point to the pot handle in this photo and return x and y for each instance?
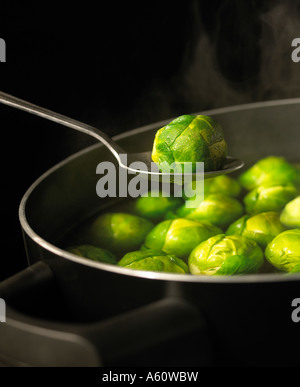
(26, 285)
(168, 332)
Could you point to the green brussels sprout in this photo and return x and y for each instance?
(290, 215)
(154, 208)
(179, 236)
(226, 255)
(190, 138)
(171, 214)
(295, 269)
(218, 209)
(272, 170)
(261, 227)
(269, 198)
(283, 252)
(94, 253)
(222, 184)
(181, 212)
(153, 260)
(119, 232)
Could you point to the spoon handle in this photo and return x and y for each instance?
(29, 107)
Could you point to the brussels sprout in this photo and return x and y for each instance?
(222, 184)
(270, 171)
(218, 209)
(153, 260)
(179, 236)
(269, 198)
(173, 214)
(119, 232)
(283, 252)
(296, 268)
(261, 227)
(226, 255)
(290, 215)
(94, 253)
(181, 212)
(154, 208)
(191, 138)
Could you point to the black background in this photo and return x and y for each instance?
(121, 65)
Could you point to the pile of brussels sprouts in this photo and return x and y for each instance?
(245, 224)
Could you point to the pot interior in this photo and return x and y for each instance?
(65, 196)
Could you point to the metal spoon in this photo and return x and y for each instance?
(145, 165)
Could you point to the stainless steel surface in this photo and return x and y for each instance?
(145, 166)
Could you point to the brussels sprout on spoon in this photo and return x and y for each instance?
(189, 139)
(199, 133)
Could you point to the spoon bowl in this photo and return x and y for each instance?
(135, 163)
(231, 165)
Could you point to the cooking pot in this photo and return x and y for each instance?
(235, 320)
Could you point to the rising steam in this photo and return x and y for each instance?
(277, 75)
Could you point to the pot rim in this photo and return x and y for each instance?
(246, 278)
